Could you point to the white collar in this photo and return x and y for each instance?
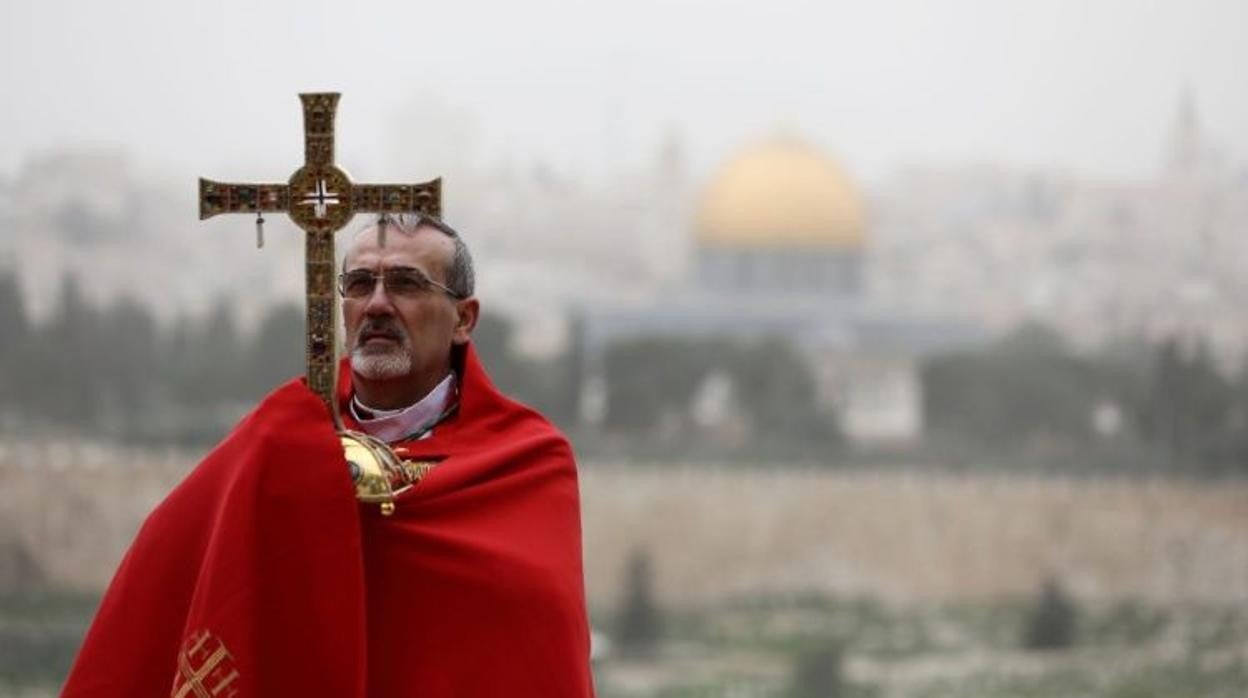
(394, 425)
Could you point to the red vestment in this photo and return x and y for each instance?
(260, 574)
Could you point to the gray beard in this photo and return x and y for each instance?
(381, 366)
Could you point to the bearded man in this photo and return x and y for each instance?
(262, 575)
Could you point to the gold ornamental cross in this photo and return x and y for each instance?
(320, 198)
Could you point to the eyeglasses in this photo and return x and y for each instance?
(403, 282)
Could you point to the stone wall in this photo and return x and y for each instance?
(70, 510)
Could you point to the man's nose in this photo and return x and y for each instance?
(379, 301)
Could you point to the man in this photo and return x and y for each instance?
(261, 575)
(401, 332)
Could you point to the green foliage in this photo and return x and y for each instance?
(649, 377)
(817, 673)
(1126, 623)
(770, 644)
(549, 386)
(14, 328)
(276, 350)
(1194, 413)
(652, 379)
(12, 308)
(1027, 386)
(1184, 678)
(639, 623)
(112, 370)
(1028, 393)
(1052, 624)
(1154, 679)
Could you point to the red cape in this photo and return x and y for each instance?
(260, 574)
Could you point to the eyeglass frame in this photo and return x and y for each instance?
(342, 280)
(406, 221)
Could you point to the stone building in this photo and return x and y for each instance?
(781, 236)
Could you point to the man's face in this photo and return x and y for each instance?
(402, 337)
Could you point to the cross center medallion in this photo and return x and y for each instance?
(321, 198)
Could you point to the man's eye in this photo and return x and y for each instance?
(359, 284)
(405, 283)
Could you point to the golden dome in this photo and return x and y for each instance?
(780, 193)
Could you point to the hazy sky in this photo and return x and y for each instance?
(209, 87)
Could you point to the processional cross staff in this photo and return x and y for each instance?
(321, 199)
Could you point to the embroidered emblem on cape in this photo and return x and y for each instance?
(205, 668)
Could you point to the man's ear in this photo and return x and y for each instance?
(469, 310)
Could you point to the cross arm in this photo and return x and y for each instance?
(223, 197)
(424, 198)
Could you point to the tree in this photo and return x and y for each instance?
(60, 378)
(12, 306)
(1026, 385)
(547, 385)
(276, 351)
(780, 387)
(650, 377)
(14, 326)
(1052, 622)
(638, 625)
(207, 360)
(1191, 409)
(818, 672)
(129, 349)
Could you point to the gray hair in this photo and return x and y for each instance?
(460, 277)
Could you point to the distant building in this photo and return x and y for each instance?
(1100, 260)
(780, 235)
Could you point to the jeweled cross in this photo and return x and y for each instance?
(320, 198)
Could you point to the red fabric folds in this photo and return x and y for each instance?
(260, 575)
